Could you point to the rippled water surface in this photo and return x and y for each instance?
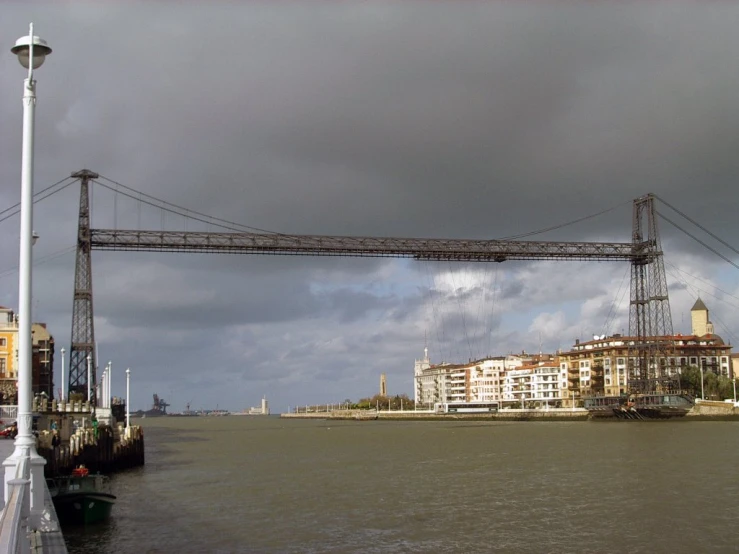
(252, 484)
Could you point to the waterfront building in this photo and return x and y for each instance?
(8, 350)
(477, 381)
(537, 384)
(260, 410)
(600, 366)
(591, 368)
(700, 324)
(42, 358)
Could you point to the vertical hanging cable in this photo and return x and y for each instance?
(115, 208)
(492, 312)
(461, 309)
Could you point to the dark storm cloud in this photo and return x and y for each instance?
(414, 119)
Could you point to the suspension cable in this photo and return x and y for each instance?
(702, 280)
(611, 317)
(696, 239)
(701, 227)
(228, 224)
(692, 289)
(561, 225)
(149, 203)
(16, 208)
(41, 260)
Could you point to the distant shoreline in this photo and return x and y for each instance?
(699, 413)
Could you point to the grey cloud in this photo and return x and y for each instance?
(477, 120)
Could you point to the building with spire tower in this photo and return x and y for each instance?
(700, 323)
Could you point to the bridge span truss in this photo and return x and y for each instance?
(649, 304)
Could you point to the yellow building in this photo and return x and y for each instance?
(42, 358)
(8, 354)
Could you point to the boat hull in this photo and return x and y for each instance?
(639, 407)
(83, 508)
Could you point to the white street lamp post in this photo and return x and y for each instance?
(64, 386)
(31, 52)
(102, 387)
(89, 377)
(110, 384)
(703, 396)
(128, 399)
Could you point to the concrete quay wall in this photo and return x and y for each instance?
(712, 410)
(702, 411)
(503, 415)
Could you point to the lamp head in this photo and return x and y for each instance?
(23, 47)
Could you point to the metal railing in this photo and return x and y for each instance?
(8, 412)
(14, 520)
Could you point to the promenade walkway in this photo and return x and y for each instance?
(47, 541)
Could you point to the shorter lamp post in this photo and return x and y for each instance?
(128, 398)
(102, 387)
(89, 377)
(64, 386)
(108, 384)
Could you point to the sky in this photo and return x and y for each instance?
(411, 119)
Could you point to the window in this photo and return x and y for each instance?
(3, 341)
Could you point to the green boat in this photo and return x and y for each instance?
(81, 498)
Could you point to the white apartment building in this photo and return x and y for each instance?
(548, 383)
(543, 383)
(478, 381)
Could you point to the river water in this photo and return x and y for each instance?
(267, 485)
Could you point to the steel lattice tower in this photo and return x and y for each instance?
(650, 320)
(83, 330)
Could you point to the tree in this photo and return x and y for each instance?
(725, 387)
(715, 387)
(690, 380)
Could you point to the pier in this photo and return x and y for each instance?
(91, 437)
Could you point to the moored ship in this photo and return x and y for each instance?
(81, 498)
(640, 406)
